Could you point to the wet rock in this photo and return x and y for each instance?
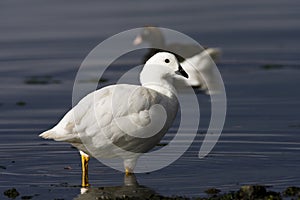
(252, 191)
(134, 192)
(227, 196)
(212, 191)
(257, 192)
(273, 196)
(11, 193)
(292, 191)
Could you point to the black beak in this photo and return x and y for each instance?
(181, 72)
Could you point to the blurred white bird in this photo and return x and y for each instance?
(202, 72)
(199, 63)
(123, 120)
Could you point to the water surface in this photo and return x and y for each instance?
(260, 68)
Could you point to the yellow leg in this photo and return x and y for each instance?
(84, 162)
(128, 172)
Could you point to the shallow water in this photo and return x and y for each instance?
(259, 143)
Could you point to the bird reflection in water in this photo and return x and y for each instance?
(129, 190)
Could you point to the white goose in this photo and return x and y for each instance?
(123, 120)
(202, 72)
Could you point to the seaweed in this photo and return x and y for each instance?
(11, 193)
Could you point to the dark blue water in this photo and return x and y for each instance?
(260, 143)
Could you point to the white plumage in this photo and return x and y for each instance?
(124, 120)
(202, 71)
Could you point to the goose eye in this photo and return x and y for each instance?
(167, 61)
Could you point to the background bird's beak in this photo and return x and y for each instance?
(138, 40)
(181, 72)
